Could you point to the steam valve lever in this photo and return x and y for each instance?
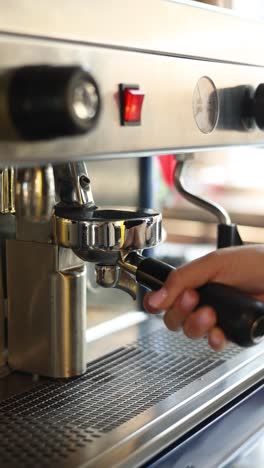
(240, 316)
(46, 102)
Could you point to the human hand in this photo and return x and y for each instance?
(241, 267)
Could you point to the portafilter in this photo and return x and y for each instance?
(114, 241)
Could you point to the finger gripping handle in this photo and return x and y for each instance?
(240, 316)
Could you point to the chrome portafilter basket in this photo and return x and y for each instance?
(100, 235)
(106, 237)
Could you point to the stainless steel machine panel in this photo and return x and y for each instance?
(169, 119)
(170, 27)
(144, 387)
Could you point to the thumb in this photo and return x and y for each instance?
(190, 276)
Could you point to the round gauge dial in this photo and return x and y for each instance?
(205, 105)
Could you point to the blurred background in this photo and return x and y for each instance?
(233, 178)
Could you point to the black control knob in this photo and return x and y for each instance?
(48, 101)
(258, 106)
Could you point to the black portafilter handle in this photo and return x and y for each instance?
(240, 316)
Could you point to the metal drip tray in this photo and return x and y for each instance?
(110, 415)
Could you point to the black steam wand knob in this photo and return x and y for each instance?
(45, 101)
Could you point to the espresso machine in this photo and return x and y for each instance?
(100, 81)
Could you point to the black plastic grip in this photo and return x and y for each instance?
(228, 236)
(240, 316)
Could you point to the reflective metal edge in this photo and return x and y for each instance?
(144, 436)
(137, 441)
(167, 123)
(131, 233)
(162, 26)
(148, 441)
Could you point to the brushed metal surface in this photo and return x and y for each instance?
(162, 26)
(144, 388)
(168, 123)
(35, 194)
(46, 310)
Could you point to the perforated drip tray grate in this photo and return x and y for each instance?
(47, 425)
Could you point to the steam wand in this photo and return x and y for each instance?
(227, 232)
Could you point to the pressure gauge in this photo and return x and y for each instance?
(205, 105)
